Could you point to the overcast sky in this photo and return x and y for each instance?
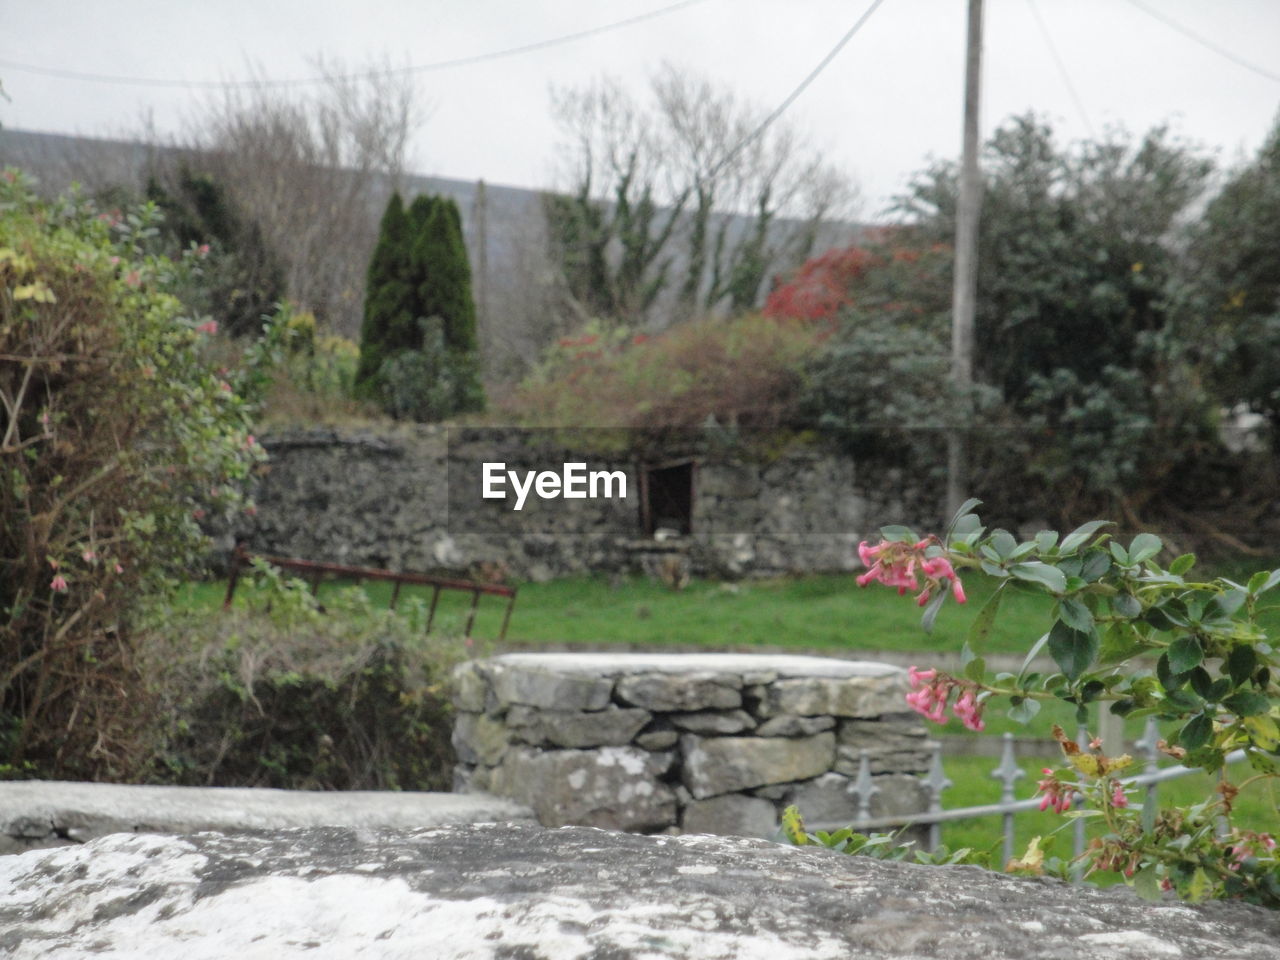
(888, 102)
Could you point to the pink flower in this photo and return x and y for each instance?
(224, 386)
(1118, 799)
(133, 278)
(917, 677)
(1056, 793)
(209, 326)
(89, 556)
(898, 564)
(58, 584)
(250, 442)
(203, 249)
(198, 513)
(251, 510)
(119, 568)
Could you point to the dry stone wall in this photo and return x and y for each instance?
(704, 743)
(383, 499)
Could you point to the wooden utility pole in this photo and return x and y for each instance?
(964, 290)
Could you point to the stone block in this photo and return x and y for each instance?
(789, 725)
(731, 814)
(857, 696)
(893, 745)
(713, 721)
(470, 688)
(480, 738)
(610, 727)
(550, 691)
(898, 794)
(615, 788)
(658, 739)
(716, 765)
(825, 799)
(668, 692)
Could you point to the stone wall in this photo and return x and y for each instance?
(704, 743)
(393, 499)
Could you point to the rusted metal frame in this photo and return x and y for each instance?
(316, 570)
(374, 573)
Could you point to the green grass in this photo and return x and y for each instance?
(819, 612)
(812, 612)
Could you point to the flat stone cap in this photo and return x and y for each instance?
(40, 812)
(524, 893)
(614, 664)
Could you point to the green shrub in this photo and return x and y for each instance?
(281, 694)
(116, 435)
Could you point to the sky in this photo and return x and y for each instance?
(885, 106)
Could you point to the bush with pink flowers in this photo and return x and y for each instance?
(1144, 640)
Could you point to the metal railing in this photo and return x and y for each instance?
(1008, 772)
(314, 572)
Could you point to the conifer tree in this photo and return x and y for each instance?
(420, 318)
(388, 305)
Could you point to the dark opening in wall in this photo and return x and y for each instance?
(666, 498)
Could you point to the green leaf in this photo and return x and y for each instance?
(1199, 888)
(1096, 565)
(966, 510)
(1073, 540)
(1024, 711)
(1201, 682)
(1075, 614)
(898, 534)
(1195, 732)
(1144, 547)
(931, 611)
(1228, 602)
(1262, 581)
(1003, 543)
(1182, 701)
(1045, 540)
(1126, 605)
(1246, 703)
(1031, 655)
(1182, 564)
(1165, 674)
(1041, 573)
(1117, 551)
(975, 669)
(980, 629)
(1147, 883)
(1241, 662)
(1072, 650)
(1263, 762)
(1185, 654)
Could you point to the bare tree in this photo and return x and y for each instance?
(314, 169)
(687, 199)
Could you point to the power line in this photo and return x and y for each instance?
(1062, 67)
(364, 75)
(1192, 35)
(791, 97)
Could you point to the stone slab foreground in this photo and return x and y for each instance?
(41, 813)
(521, 892)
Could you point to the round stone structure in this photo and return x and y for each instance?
(699, 743)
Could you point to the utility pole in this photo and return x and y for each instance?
(964, 289)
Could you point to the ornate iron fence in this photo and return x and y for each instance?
(1008, 773)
